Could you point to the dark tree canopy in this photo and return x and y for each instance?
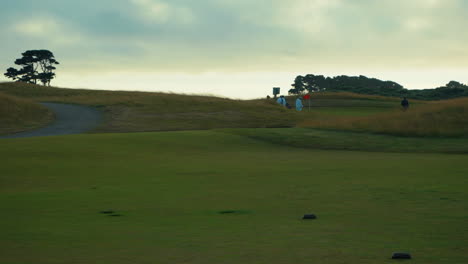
(36, 65)
(315, 83)
(363, 85)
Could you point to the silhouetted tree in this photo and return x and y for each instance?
(357, 84)
(315, 83)
(298, 85)
(37, 65)
(455, 84)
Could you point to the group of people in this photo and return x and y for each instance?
(282, 101)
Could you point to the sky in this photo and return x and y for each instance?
(238, 48)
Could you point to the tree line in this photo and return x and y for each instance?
(372, 86)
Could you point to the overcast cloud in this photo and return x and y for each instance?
(234, 36)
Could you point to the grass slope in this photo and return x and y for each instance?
(17, 114)
(333, 104)
(169, 188)
(440, 119)
(146, 111)
(345, 140)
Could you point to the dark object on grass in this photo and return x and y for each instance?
(234, 212)
(107, 212)
(228, 212)
(309, 216)
(115, 215)
(405, 104)
(401, 255)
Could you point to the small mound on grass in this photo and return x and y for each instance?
(233, 212)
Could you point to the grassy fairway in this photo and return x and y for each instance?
(342, 140)
(169, 188)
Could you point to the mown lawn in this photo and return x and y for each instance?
(169, 188)
(358, 141)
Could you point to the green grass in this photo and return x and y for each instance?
(345, 140)
(347, 111)
(171, 186)
(328, 107)
(347, 104)
(18, 114)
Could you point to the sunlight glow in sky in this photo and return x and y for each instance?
(238, 48)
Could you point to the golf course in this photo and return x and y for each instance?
(173, 178)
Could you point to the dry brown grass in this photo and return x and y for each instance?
(18, 114)
(441, 118)
(348, 95)
(148, 111)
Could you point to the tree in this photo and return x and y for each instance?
(298, 85)
(455, 84)
(358, 84)
(37, 65)
(315, 83)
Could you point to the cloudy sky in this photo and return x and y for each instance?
(238, 48)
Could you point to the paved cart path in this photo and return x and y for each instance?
(69, 119)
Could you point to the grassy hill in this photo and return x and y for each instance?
(147, 111)
(18, 114)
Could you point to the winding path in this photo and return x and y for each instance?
(69, 119)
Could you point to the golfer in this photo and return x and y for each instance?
(404, 104)
(299, 104)
(282, 101)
